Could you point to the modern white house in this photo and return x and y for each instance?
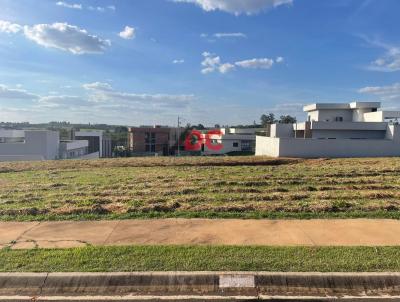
(27, 145)
(230, 140)
(357, 129)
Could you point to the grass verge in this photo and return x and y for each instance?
(202, 258)
(208, 215)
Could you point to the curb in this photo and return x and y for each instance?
(215, 285)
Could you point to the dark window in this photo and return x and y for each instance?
(374, 110)
(235, 145)
(247, 145)
(147, 137)
(150, 141)
(339, 119)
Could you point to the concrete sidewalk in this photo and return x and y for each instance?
(316, 232)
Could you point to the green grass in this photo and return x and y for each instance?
(221, 187)
(202, 258)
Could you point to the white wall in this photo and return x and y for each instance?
(38, 145)
(315, 148)
(371, 134)
(267, 146)
(282, 130)
(312, 116)
(331, 114)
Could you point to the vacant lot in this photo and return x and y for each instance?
(200, 187)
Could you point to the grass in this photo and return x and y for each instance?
(216, 187)
(202, 258)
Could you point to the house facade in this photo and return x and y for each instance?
(357, 129)
(222, 141)
(31, 145)
(150, 141)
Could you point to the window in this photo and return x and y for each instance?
(247, 145)
(374, 110)
(235, 145)
(150, 141)
(339, 119)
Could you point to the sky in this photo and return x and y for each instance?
(146, 62)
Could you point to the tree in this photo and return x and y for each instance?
(287, 119)
(267, 119)
(121, 129)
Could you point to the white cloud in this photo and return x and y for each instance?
(79, 6)
(102, 9)
(230, 35)
(7, 93)
(98, 86)
(53, 101)
(388, 93)
(9, 28)
(128, 33)
(225, 68)
(66, 37)
(178, 61)
(69, 5)
(210, 62)
(238, 7)
(213, 63)
(263, 63)
(104, 93)
(389, 61)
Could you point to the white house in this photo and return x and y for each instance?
(230, 140)
(357, 129)
(27, 145)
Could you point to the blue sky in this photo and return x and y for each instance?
(139, 62)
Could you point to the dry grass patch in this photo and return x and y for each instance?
(199, 186)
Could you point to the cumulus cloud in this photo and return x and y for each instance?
(213, 63)
(226, 67)
(389, 93)
(9, 28)
(128, 33)
(210, 62)
(59, 35)
(69, 5)
(238, 7)
(178, 61)
(7, 93)
(66, 37)
(230, 35)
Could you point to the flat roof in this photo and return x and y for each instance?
(352, 105)
(361, 105)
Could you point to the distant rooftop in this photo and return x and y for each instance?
(353, 105)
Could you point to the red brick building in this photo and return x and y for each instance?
(152, 140)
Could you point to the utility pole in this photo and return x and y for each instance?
(179, 134)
